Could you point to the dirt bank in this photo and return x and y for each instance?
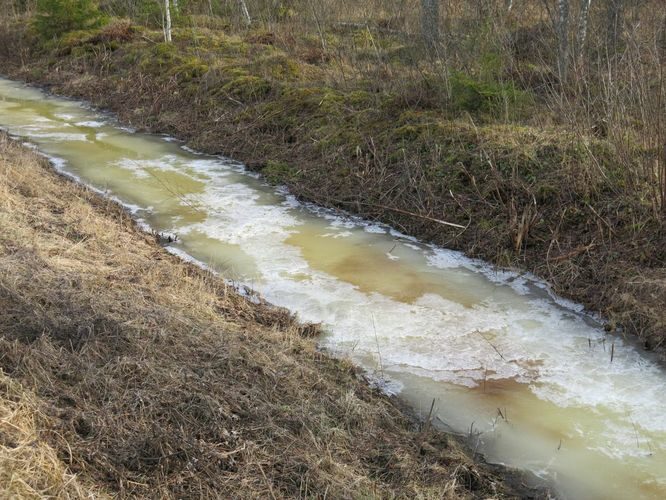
(125, 371)
(561, 205)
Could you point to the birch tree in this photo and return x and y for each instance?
(563, 38)
(167, 23)
(245, 12)
(430, 21)
(583, 20)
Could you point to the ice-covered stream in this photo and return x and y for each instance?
(527, 374)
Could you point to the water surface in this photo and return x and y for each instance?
(527, 375)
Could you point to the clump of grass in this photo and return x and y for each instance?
(471, 95)
(247, 87)
(277, 172)
(29, 466)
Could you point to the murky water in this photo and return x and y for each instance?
(525, 374)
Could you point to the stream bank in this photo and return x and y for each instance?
(535, 383)
(544, 201)
(144, 375)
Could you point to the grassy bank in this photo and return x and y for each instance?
(371, 128)
(125, 371)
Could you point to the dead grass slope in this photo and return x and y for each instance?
(145, 376)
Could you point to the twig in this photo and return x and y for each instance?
(379, 354)
(427, 425)
(573, 253)
(491, 345)
(270, 488)
(406, 212)
(148, 39)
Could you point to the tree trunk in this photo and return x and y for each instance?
(582, 27)
(661, 61)
(245, 12)
(661, 40)
(563, 38)
(167, 25)
(615, 21)
(430, 22)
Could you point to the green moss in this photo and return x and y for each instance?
(75, 38)
(82, 50)
(407, 133)
(164, 51)
(359, 98)
(229, 46)
(276, 66)
(190, 69)
(279, 172)
(546, 193)
(331, 101)
(159, 57)
(248, 88)
(474, 96)
(363, 38)
(332, 40)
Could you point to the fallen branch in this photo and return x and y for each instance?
(405, 212)
(573, 253)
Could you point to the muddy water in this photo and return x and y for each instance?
(526, 375)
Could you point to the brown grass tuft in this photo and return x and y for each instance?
(29, 466)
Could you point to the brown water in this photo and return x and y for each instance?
(525, 374)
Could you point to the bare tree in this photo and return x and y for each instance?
(563, 38)
(245, 12)
(583, 20)
(661, 102)
(614, 24)
(430, 21)
(661, 40)
(167, 24)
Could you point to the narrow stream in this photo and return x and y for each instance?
(527, 375)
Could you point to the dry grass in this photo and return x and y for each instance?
(29, 466)
(145, 376)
